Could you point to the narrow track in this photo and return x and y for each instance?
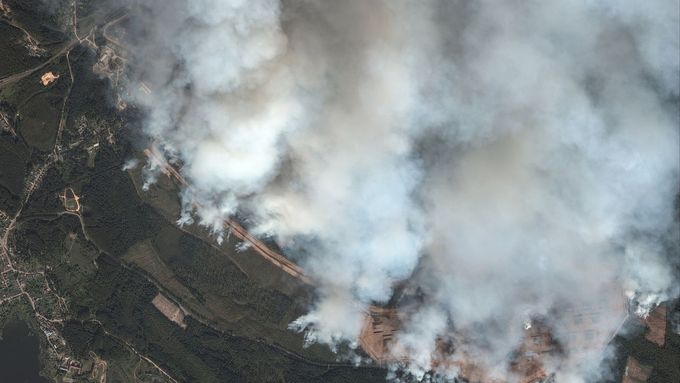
(235, 228)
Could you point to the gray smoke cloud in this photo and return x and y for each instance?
(506, 158)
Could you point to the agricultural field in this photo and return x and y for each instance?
(87, 250)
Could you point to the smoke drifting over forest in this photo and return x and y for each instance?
(506, 158)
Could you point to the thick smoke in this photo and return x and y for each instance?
(506, 158)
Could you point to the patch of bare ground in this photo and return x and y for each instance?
(656, 326)
(636, 372)
(144, 255)
(168, 308)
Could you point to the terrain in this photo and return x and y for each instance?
(85, 250)
(96, 265)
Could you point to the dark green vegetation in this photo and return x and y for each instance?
(665, 361)
(238, 305)
(110, 297)
(199, 353)
(11, 177)
(109, 261)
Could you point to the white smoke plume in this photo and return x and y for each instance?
(506, 158)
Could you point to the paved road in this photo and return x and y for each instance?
(21, 75)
